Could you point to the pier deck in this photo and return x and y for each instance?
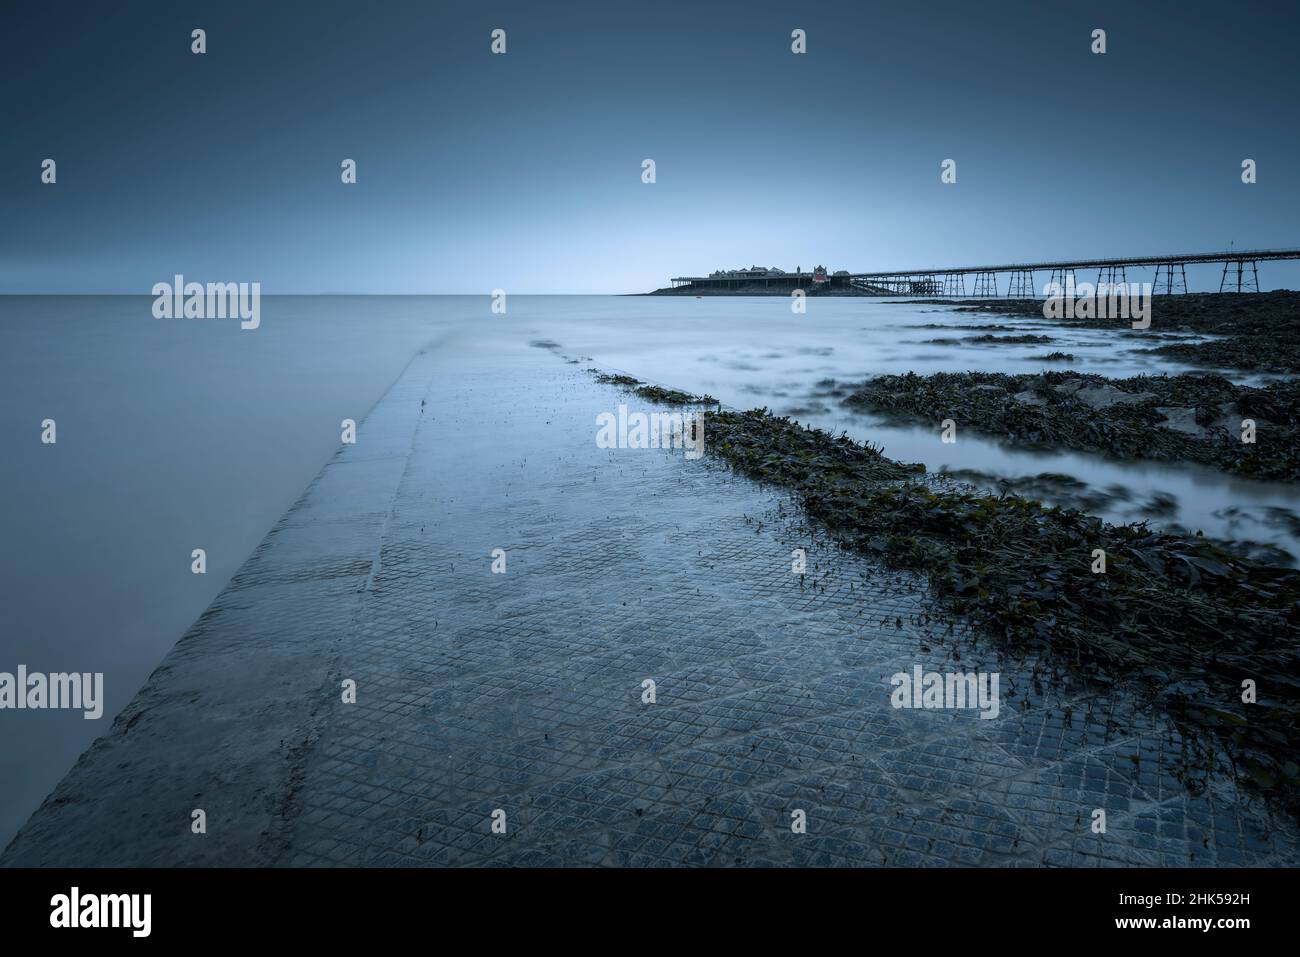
(1240, 274)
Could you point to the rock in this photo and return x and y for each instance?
(1231, 422)
(1029, 397)
(1181, 420)
(1105, 395)
(1070, 386)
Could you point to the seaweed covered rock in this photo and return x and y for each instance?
(1190, 418)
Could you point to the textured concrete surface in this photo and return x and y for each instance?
(521, 692)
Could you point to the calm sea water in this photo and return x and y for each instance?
(181, 434)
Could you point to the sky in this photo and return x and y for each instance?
(523, 171)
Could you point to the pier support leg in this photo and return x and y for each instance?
(1020, 284)
(1109, 278)
(1064, 280)
(986, 284)
(925, 286)
(1173, 281)
(1247, 281)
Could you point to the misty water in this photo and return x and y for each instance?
(751, 352)
(180, 434)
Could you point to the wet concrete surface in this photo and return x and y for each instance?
(518, 697)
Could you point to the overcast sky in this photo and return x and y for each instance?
(523, 171)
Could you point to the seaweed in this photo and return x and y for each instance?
(608, 379)
(992, 340)
(1189, 418)
(655, 393)
(1024, 339)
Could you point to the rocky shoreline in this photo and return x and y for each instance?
(1188, 418)
(1253, 332)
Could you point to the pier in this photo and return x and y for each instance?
(1168, 276)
